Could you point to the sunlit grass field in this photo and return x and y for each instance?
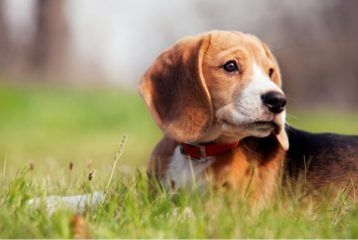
(52, 138)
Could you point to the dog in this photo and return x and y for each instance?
(217, 98)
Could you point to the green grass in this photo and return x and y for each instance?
(129, 211)
(44, 130)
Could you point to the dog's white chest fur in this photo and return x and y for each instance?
(183, 172)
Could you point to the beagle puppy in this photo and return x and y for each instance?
(218, 100)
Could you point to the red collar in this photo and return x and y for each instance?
(201, 152)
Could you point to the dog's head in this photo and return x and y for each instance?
(216, 86)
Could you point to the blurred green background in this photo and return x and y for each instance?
(51, 127)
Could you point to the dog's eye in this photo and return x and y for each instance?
(231, 66)
(270, 72)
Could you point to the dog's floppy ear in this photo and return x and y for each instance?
(282, 138)
(175, 91)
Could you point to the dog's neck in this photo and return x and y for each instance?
(212, 143)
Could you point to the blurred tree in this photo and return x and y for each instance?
(320, 65)
(50, 41)
(4, 39)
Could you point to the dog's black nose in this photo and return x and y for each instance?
(275, 101)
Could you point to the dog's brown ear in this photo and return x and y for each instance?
(175, 91)
(282, 138)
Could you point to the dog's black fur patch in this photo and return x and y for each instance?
(324, 158)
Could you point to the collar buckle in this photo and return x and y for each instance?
(202, 151)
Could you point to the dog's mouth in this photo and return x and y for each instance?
(260, 126)
(266, 126)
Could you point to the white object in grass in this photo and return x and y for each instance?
(76, 203)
